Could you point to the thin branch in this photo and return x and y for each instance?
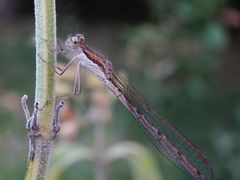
(45, 28)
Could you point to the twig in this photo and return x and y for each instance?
(45, 28)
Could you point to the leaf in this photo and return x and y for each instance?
(140, 160)
(65, 155)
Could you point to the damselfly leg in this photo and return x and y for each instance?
(60, 71)
(32, 125)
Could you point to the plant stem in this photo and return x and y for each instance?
(100, 173)
(45, 34)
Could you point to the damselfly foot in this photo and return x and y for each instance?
(56, 122)
(53, 66)
(59, 49)
(60, 71)
(31, 126)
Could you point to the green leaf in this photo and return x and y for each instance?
(65, 155)
(139, 158)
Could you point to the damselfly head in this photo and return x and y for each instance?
(75, 41)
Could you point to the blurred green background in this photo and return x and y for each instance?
(182, 56)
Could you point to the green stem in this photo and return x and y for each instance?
(45, 34)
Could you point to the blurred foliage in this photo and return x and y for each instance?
(181, 57)
(139, 159)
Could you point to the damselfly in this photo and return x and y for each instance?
(166, 138)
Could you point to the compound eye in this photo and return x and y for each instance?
(82, 40)
(74, 40)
